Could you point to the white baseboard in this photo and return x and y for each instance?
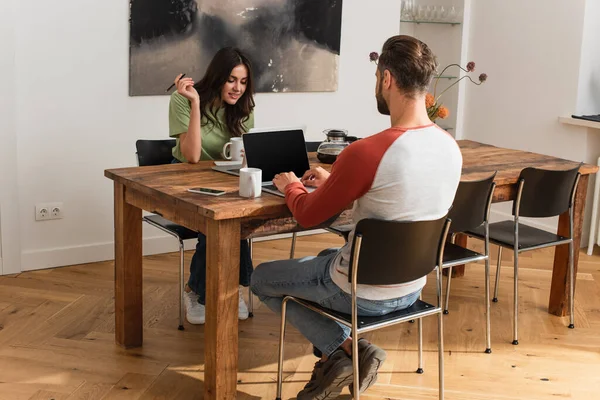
(95, 252)
(63, 256)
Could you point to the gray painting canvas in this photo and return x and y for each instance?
(294, 45)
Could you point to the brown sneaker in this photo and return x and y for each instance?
(370, 359)
(328, 378)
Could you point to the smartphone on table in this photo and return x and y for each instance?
(208, 191)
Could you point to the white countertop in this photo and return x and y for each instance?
(579, 122)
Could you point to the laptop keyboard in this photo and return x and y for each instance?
(595, 118)
(273, 187)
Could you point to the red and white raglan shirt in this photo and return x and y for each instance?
(399, 174)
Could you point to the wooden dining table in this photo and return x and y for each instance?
(227, 219)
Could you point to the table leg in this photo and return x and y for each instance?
(559, 292)
(128, 271)
(221, 331)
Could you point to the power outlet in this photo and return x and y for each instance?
(42, 212)
(47, 211)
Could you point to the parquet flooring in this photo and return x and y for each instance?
(57, 338)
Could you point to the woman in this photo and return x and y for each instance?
(203, 117)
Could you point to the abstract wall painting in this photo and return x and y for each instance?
(294, 45)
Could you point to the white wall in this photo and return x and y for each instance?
(10, 252)
(75, 119)
(446, 43)
(531, 51)
(588, 99)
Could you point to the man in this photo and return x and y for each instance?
(408, 172)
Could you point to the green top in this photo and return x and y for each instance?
(214, 137)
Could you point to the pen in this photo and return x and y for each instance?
(171, 87)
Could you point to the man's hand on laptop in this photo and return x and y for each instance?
(284, 179)
(315, 177)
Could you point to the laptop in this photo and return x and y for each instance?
(595, 118)
(273, 150)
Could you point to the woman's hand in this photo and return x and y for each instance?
(185, 87)
(244, 161)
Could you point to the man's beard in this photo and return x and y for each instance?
(382, 106)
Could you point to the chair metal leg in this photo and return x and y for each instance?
(420, 329)
(441, 354)
(355, 371)
(495, 299)
(250, 297)
(448, 290)
(488, 338)
(571, 286)
(293, 247)
(181, 285)
(250, 303)
(281, 341)
(516, 300)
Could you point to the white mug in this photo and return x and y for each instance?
(235, 146)
(250, 182)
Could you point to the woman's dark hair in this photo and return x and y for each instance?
(210, 86)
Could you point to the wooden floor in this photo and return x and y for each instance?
(57, 339)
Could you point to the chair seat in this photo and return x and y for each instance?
(457, 255)
(342, 230)
(181, 231)
(364, 322)
(502, 233)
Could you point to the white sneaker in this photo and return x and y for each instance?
(195, 312)
(242, 307)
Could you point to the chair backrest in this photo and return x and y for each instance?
(395, 252)
(154, 152)
(311, 147)
(545, 193)
(471, 204)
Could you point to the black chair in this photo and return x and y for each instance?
(154, 152)
(341, 230)
(377, 246)
(158, 152)
(541, 193)
(470, 210)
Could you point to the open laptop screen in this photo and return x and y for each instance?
(276, 151)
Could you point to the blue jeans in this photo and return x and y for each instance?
(309, 279)
(197, 281)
